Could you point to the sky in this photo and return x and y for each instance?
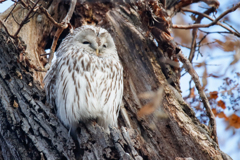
(228, 142)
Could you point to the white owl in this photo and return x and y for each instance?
(86, 80)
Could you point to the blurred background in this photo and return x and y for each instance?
(217, 64)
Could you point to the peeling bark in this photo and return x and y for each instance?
(29, 128)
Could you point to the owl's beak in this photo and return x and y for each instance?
(97, 52)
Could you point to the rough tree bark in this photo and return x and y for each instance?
(29, 128)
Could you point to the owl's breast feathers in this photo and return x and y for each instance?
(86, 87)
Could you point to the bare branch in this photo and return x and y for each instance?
(193, 44)
(24, 4)
(225, 13)
(230, 26)
(194, 34)
(66, 23)
(212, 3)
(188, 66)
(210, 24)
(59, 25)
(218, 23)
(14, 19)
(70, 11)
(53, 47)
(205, 44)
(6, 29)
(15, 4)
(25, 19)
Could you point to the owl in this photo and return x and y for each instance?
(85, 81)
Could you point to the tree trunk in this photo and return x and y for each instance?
(29, 128)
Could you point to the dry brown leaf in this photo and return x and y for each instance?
(226, 46)
(214, 111)
(236, 57)
(214, 95)
(234, 121)
(146, 95)
(204, 41)
(219, 42)
(222, 115)
(198, 107)
(221, 104)
(230, 44)
(200, 65)
(182, 36)
(146, 110)
(156, 101)
(192, 94)
(238, 74)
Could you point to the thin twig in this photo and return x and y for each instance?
(6, 30)
(188, 67)
(230, 26)
(66, 23)
(205, 44)
(15, 19)
(25, 19)
(225, 13)
(199, 44)
(183, 45)
(194, 33)
(210, 24)
(45, 54)
(217, 32)
(15, 4)
(23, 3)
(70, 12)
(218, 23)
(60, 25)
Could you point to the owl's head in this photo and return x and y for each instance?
(95, 40)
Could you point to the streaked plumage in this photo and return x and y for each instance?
(82, 85)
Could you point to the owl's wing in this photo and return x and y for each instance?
(74, 88)
(118, 90)
(49, 81)
(111, 91)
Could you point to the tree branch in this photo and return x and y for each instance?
(15, 4)
(6, 30)
(25, 19)
(194, 34)
(59, 25)
(212, 3)
(208, 17)
(210, 24)
(66, 22)
(188, 66)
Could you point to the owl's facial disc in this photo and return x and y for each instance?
(106, 46)
(100, 44)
